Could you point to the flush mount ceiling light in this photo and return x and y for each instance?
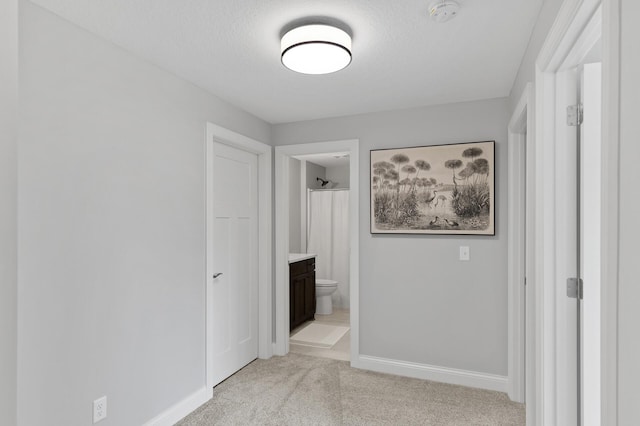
(316, 49)
(443, 10)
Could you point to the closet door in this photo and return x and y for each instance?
(233, 273)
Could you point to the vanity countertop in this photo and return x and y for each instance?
(297, 257)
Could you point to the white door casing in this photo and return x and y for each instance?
(519, 126)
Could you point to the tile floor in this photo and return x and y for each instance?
(341, 350)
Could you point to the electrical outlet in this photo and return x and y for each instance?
(99, 409)
(464, 252)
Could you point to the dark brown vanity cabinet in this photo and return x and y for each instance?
(302, 292)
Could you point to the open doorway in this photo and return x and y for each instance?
(317, 248)
(319, 227)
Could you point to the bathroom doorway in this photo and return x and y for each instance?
(317, 223)
(322, 181)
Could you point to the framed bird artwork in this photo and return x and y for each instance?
(436, 189)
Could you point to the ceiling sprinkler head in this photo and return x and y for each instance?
(443, 10)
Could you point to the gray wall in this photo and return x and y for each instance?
(314, 172)
(111, 232)
(298, 210)
(340, 175)
(8, 206)
(629, 290)
(418, 302)
(295, 213)
(526, 73)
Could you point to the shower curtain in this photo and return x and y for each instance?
(328, 238)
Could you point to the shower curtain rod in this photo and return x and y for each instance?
(328, 189)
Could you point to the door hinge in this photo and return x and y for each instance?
(574, 115)
(574, 288)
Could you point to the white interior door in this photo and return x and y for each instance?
(578, 240)
(591, 189)
(233, 263)
(567, 244)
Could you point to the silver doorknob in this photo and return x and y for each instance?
(216, 275)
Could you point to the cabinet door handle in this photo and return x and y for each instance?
(216, 275)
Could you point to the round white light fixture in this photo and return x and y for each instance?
(316, 49)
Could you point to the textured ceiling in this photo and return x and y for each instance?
(401, 59)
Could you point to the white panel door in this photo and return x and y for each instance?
(578, 242)
(591, 189)
(233, 266)
(567, 245)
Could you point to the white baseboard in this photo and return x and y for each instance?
(430, 372)
(183, 408)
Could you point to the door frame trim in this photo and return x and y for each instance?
(519, 125)
(565, 46)
(282, 154)
(220, 134)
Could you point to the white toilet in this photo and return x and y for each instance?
(324, 290)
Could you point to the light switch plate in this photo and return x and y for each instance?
(464, 252)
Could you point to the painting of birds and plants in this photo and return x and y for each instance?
(437, 189)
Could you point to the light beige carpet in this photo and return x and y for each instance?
(319, 335)
(303, 390)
